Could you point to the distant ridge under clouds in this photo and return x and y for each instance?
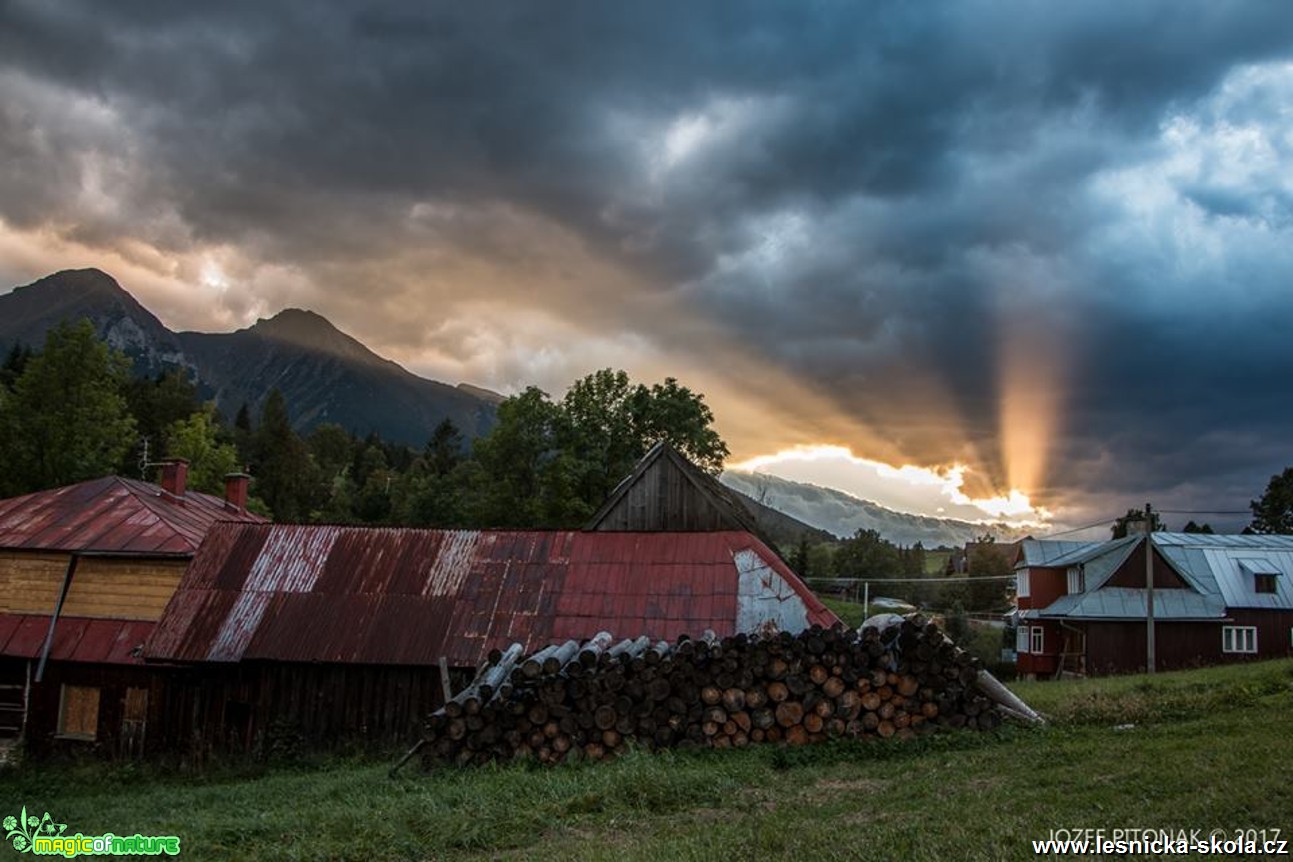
(843, 514)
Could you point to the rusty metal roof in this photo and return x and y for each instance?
(113, 515)
(404, 596)
(78, 639)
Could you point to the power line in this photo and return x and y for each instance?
(1103, 523)
(1203, 512)
(961, 579)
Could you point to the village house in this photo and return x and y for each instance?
(85, 573)
(1082, 607)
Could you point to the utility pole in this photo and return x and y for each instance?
(1149, 589)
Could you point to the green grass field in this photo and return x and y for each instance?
(1207, 749)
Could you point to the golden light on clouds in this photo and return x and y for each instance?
(938, 490)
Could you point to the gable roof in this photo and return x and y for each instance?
(1216, 563)
(1218, 569)
(1044, 552)
(113, 515)
(406, 596)
(726, 509)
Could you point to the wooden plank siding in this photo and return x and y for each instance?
(102, 587)
(270, 709)
(30, 582)
(663, 498)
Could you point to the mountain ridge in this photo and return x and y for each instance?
(842, 514)
(324, 374)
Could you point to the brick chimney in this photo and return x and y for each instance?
(175, 476)
(235, 491)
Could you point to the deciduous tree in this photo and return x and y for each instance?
(67, 419)
(1273, 513)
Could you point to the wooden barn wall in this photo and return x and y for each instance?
(1119, 647)
(30, 582)
(1274, 630)
(1045, 585)
(1132, 572)
(278, 708)
(664, 499)
(105, 587)
(115, 737)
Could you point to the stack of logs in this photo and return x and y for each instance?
(572, 701)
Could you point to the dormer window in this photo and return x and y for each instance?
(1077, 580)
(1262, 573)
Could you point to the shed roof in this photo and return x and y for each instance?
(405, 596)
(113, 515)
(78, 639)
(1125, 603)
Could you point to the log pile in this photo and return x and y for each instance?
(574, 701)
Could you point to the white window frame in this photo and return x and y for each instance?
(1022, 585)
(1077, 580)
(1037, 640)
(1239, 640)
(1023, 640)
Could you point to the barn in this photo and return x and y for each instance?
(85, 573)
(317, 635)
(1083, 606)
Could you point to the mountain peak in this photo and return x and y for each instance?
(312, 331)
(295, 321)
(81, 283)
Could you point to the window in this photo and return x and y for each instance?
(1077, 580)
(1264, 583)
(78, 712)
(1239, 639)
(1021, 639)
(1021, 584)
(1039, 640)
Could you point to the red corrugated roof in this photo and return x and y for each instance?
(75, 638)
(112, 515)
(403, 596)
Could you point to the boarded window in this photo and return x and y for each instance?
(136, 707)
(1021, 584)
(1021, 639)
(78, 714)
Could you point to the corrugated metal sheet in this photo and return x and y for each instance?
(402, 596)
(1044, 552)
(78, 639)
(112, 515)
(1123, 603)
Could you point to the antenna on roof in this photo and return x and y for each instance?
(143, 459)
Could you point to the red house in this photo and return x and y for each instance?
(1083, 606)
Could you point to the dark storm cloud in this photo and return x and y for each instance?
(874, 197)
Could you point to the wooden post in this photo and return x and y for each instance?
(53, 620)
(445, 687)
(1149, 589)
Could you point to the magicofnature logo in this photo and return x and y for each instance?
(42, 836)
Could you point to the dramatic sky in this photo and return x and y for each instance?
(981, 247)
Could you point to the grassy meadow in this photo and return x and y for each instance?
(1205, 749)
